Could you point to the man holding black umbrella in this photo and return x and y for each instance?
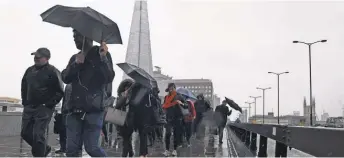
(89, 72)
(221, 113)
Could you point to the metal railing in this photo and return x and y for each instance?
(316, 141)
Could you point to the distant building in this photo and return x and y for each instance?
(157, 74)
(296, 113)
(283, 120)
(216, 100)
(324, 116)
(139, 44)
(196, 86)
(8, 104)
(307, 111)
(243, 116)
(9, 100)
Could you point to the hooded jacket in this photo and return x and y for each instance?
(89, 81)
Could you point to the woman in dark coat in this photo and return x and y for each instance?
(126, 130)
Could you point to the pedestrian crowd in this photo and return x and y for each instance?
(88, 104)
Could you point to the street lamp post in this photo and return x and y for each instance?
(255, 106)
(249, 108)
(278, 75)
(263, 89)
(310, 75)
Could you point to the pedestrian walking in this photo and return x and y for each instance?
(188, 120)
(174, 119)
(201, 105)
(41, 91)
(89, 72)
(221, 113)
(64, 112)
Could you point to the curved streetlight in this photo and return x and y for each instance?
(263, 89)
(310, 74)
(255, 106)
(278, 75)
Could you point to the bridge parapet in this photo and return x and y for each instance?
(316, 141)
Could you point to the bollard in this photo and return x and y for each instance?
(253, 145)
(281, 150)
(247, 138)
(263, 142)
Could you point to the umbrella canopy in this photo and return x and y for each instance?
(233, 105)
(186, 93)
(138, 75)
(85, 20)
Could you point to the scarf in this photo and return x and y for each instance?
(169, 100)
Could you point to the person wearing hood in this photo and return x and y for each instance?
(201, 105)
(174, 118)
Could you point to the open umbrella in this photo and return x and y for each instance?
(138, 75)
(233, 105)
(186, 92)
(85, 20)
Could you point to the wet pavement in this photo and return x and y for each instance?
(207, 146)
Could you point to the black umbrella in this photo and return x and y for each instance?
(233, 105)
(138, 74)
(85, 20)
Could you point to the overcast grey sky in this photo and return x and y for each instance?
(232, 43)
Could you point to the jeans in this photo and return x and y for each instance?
(176, 127)
(63, 134)
(84, 128)
(35, 121)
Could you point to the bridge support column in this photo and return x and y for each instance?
(253, 145)
(281, 150)
(247, 138)
(263, 142)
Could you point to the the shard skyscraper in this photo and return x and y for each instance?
(139, 46)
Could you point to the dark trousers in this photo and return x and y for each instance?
(143, 142)
(104, 130)
(35, 121)
(84, 129)
(159, 132)
(126, 133)
(197, 127)
(221, 128)
(188, 130)
(176, 127)
(127, 145)
(63, 134)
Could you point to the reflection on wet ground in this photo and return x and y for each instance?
(200, 147)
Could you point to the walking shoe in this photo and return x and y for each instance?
(174, 153)
(47, 151)
(166, 153)
(188, 143)
(60, 151)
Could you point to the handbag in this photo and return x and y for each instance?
(115, 116)
(185, 111)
